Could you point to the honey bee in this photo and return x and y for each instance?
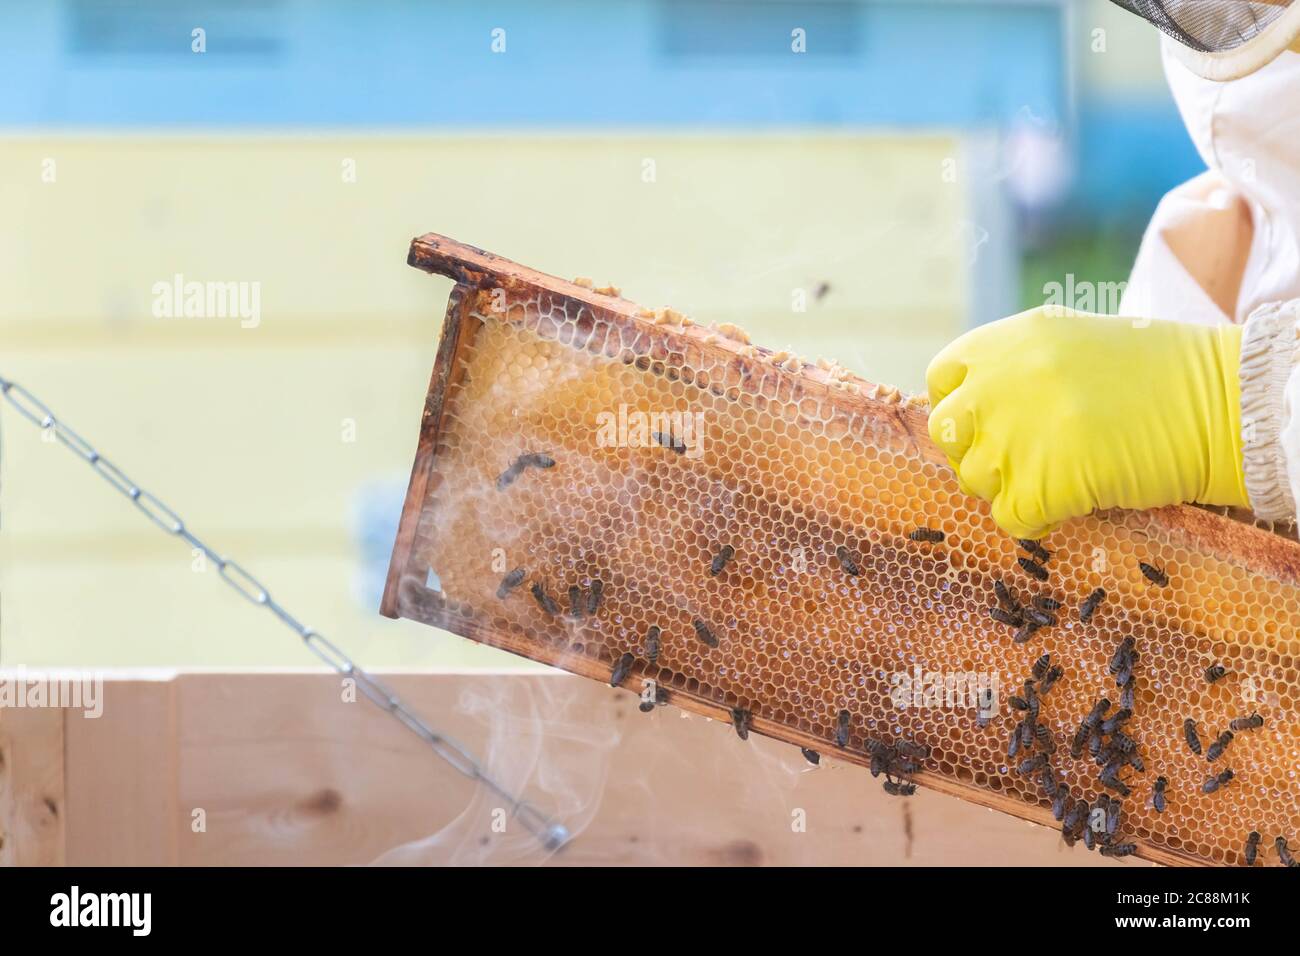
(1061, 802)
(1153, 574)
(622, 668)
(1113, 810)
(668, 441)
(1027, 731)
(510, 582)
(1005, 598)
(1024, 633)
(1283, 853)
(899, 788)
(593, 596)
(1034, 548)
(1039, 670)
(721, 558)
(517, 467)
(847, 562)
(652, 643)
(1215, 673)
(1013, 743)
(1039, 618)
(909, 749)
(1043, 735)
(1127, 695)
(1053, 675)
(1217, 748)
(1119, 849)
(1193, 740)
(1214, 783)
(1080, 740)
(927, 535)
(507, 477)
(1090, 605)
(1033, 569)
(546, 602)
(537, 460)
(842, 729)
(1247, 723)
(1047, 779)
(1098, 711)
(740, 719)
(575, 601)
(1045, 603)
(1158, 794)
(1005, 617)
(1252, 847)
(1113, 722)
(1033, 764)
(812, 756)
(705, 635)
(1111, 781)
(1120, 657)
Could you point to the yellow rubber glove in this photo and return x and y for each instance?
(1051, 414)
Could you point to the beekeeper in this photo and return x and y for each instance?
(1193, 394)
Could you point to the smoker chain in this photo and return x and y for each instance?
(552, 835)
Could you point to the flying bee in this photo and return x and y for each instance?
(909, 749)
(652, 643)
(1215, 672)
(927, 535)
(1090, 605)
(510, 582)
(1005, 597)
(1121, 654)
(812, 756)
(1041, 618)
(1034, 548)
(1193, 740)
(1024, 633)
(1113, 722)
(1283, 853)
(720, 559)
(1153, 574)
(847, 562)
(1252, 847)
(668, 441)
(705, 635)
(1247, 723)
(1046, 742)
(575, 601)
(740, 719)
(1158, 794)
(1119, 849)
(1033, 764)
(1061, 802)
(1032, 568)
(842, 729)
(1098, 711)
(544, 600)
(622, 668)
(1005, 617)
(1039, 670)
(1053, 675)
(899, 788)
(1217, 748)
(593, 595)
(1214, 783)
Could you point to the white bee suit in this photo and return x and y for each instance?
(1225, 247)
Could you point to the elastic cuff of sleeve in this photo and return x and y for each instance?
(1270, 344)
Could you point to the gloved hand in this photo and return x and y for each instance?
(1050, 414)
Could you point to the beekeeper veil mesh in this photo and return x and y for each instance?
(1223, 39)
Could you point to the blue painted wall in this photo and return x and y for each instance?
(390, 63)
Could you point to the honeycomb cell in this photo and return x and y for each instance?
(667, 448)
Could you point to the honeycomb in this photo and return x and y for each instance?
(532, 460)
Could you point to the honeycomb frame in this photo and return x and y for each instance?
(802, 459)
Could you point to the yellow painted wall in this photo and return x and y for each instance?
(241, 430)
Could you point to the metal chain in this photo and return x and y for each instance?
(552, 834)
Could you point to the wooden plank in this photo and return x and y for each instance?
(33, 808)
(121, 774)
